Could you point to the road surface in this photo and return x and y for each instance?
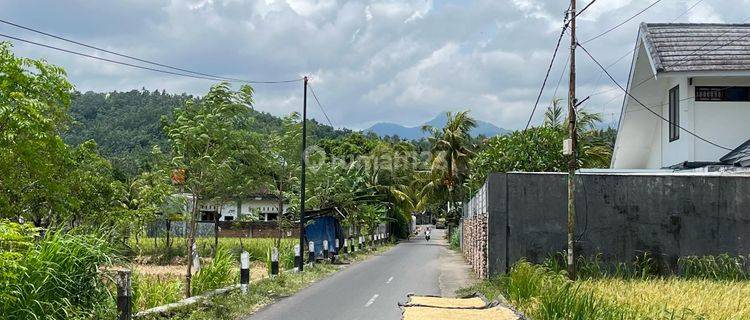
(371, 289)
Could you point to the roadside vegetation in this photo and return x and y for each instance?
(261, 292)
(86, 176)
(700, 288)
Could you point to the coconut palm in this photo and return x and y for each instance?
(451, 152)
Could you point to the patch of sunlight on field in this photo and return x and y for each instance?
(691, 299)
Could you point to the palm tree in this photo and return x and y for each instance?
(451, 151)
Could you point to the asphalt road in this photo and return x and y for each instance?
(370, 289)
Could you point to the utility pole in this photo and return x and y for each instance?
(302, 180)
(571, 144)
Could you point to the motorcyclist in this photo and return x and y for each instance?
(427, 233)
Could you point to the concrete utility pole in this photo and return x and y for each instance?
(571, 144)
(302, 180)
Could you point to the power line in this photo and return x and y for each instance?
(206, 75)
(549, 69)
(584, 8)
(108, 60)
(621, 23)
(693, 54)
(646, 107)
(634, 49)
(559, 80)
(320, 106)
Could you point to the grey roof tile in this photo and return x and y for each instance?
(698, 46)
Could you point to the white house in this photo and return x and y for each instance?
(694, 75)
(264, 206)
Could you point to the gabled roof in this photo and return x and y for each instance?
(698, 46)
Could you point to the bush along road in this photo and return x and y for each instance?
(242, 299)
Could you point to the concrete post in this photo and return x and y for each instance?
(311, 252)
(244, 271)
(297, 258)
(274, 262)
(325, 249)
(124, 288)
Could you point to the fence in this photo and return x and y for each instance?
(243, 229)
(524, 216)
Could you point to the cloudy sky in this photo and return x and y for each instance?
(401, 61)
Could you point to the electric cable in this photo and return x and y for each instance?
(320, 105)
(549, 69)
(621, 23)
(697, 136)
(205, 75)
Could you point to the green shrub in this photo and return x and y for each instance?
(455, 241)
(58, 277)
(217, 274)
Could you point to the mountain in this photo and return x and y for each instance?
(126, 125)
(412, 133)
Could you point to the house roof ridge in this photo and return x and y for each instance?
(667, 40)
(698, 24)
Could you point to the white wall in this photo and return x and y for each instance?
(262, 206)
(638, 131)
(724, 123)
(643, 138)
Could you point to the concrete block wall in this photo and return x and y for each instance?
(618, 215)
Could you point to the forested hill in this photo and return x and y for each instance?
(126, 125)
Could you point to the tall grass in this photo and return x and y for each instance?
(721, 267)
(58, 277)
(256, 247)
(217, 274)
(705, 288)
(153, 291)
(647, 266)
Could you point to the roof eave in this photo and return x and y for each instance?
(641, 38)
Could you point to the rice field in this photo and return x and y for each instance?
(686, 298)
(707, 293)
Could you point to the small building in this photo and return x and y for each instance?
(264, 207)
(691, 98)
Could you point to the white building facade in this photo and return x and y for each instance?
(690, 104)
(262, 207)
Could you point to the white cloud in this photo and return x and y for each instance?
(370, 60)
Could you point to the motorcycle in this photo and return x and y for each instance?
(427, 237)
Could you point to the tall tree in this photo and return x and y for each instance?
(201, 137)
(284, 168)
(451, 152)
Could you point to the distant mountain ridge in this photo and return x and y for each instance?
(412, 133)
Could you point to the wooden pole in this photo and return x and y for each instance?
(301, 266)
(572, 132)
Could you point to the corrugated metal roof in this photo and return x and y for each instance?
(698, 46)
(739, 156)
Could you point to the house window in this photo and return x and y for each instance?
(715, 94)
(674, 113)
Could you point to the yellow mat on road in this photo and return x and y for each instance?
(428, 313)
(440, 302)
(439, 308)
